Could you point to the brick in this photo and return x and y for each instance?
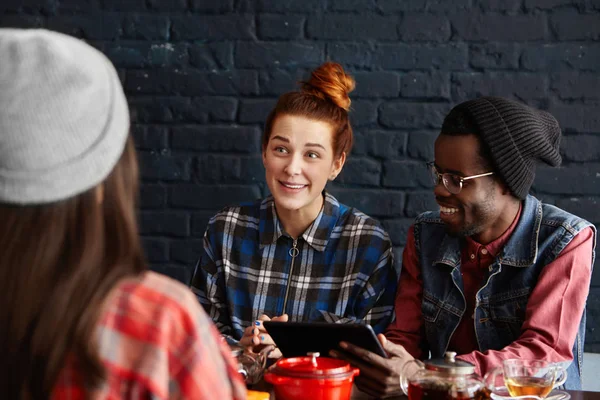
(211, 56)
(212, 197)
(186, 251)
(405, 174)
(288, 6)
(363, 112)
(146, 27)
(373, 202)
(165, 223)
(121, 5)
(396, 114)
(181, 273)
(225, 168)
(419, 202)
(276, 82)
(22, 21)
(163, 166)
(380, 144)
(494, 55)
(152, 196)
(499, 5)
(577, 117)
(429, 85)
(420, 145)
(156, 250)
(73, 6)
(278, 54)
(573, 85)
(550, 4)
(353, 5)
(376, 84)
(398, 231)
(351, 54)
(470, 85)
(351, 27)
(584, 207)
(144, 54)
(213, 27)
(410, 57)
(424, 28)
(158, 109)
(240, 139)
(275, 27)
(573, 179)
(93, 26)
(592, 330)
(387, 6)
(150, 137)
(171, 5)
(204, 6)
(360, 171)
(561, 56)
(580, 148)
(570, 25)
(200, 222)
(480, 27)
(155, 81)
(215, 109)
(237, 82)
(255, 111)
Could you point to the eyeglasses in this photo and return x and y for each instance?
(452, 182)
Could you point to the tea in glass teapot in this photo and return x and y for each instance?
(442, 379)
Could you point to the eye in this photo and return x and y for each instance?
(312, 154)
(280, 149)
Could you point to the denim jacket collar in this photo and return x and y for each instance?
(516, 252)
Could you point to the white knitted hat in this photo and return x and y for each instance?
(64, 119)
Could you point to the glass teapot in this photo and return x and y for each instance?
(251, 366)
(442, 379)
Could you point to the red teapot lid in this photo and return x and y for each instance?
(312, 366)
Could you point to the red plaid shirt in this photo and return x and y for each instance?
(157, 343)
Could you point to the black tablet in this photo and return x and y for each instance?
(299, 338)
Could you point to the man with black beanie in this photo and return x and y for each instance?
(494, 274)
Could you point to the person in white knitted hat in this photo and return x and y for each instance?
(80, 317)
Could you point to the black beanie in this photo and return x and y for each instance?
(517, 137)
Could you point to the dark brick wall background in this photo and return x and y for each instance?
(201, 75)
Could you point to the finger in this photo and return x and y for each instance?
(281, 318)
(264, 317)
(396, 350)
(364, 354)
(265, 339)
(366, 369)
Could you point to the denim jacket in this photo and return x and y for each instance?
(542, 232)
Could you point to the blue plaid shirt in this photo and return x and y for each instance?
(340, 270)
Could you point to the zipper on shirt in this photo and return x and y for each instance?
(293, 252)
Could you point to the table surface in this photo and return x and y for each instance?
(358, 395)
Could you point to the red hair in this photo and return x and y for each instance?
(324, 97)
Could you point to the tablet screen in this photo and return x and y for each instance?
(296, 339)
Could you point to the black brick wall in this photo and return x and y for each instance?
(201, 76)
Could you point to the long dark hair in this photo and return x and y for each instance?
(58, 264)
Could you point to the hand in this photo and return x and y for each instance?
(379, 377)
(256, 338)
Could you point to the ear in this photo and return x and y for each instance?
(337, 166)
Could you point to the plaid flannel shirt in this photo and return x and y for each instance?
(343, 271)
(156, 342)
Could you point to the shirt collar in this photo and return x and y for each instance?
(316, 235)
(497, 245)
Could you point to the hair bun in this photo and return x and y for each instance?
(331, 82)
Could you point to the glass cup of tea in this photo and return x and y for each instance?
(525, 378)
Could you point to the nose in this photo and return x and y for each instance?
(294, 166)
